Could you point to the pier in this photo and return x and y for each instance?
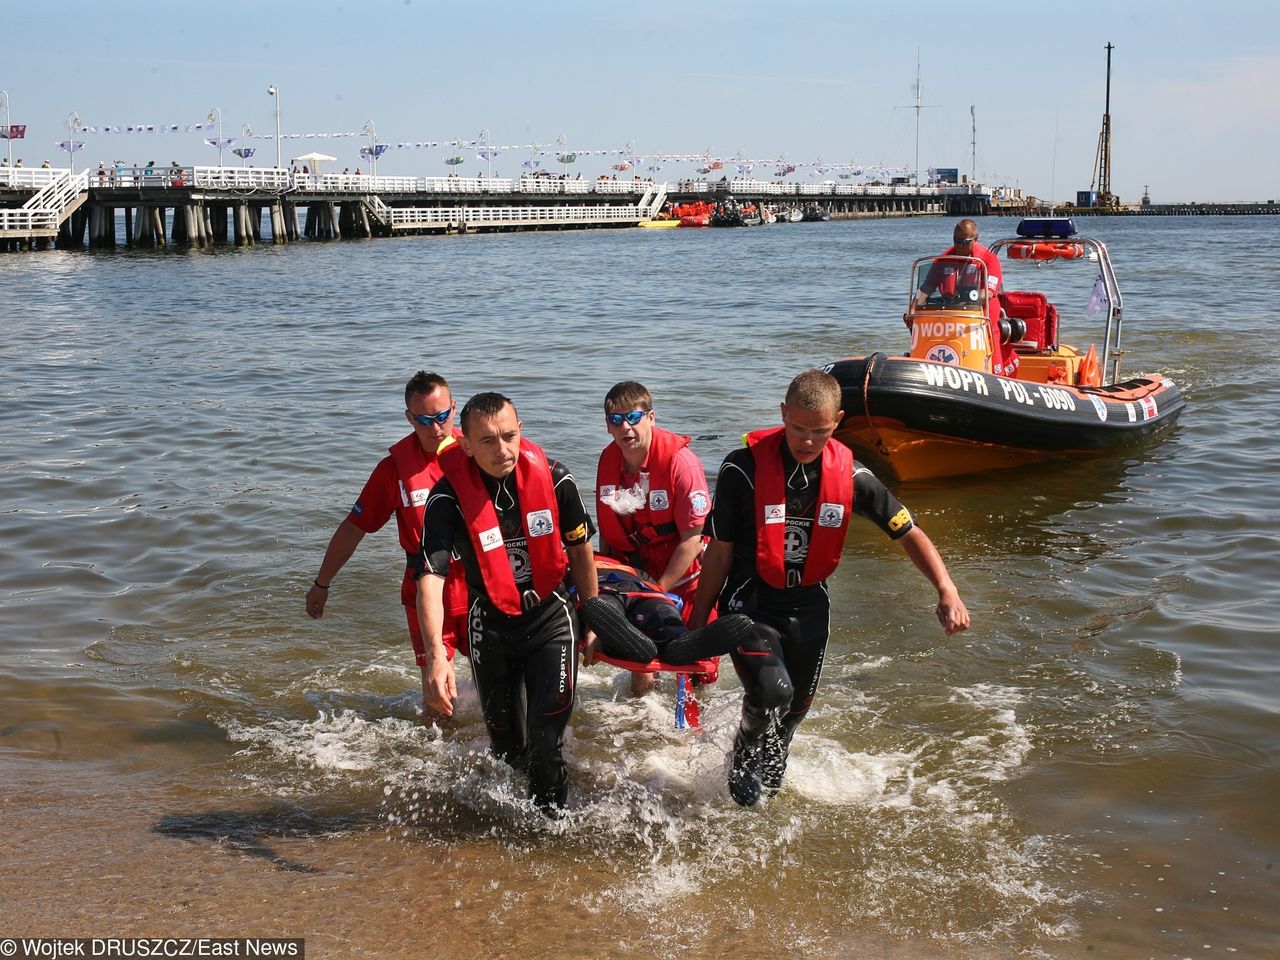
(200, 205)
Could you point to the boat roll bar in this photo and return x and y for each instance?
(1062, 230)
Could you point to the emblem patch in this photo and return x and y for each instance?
(941, 353)
(795, 544)
(700, 503)
(418, 497)
(606, 491)
(659, 500)
(539, 523)
(830, 514)
(521, 568)
(490, 539)
(357, 508)
(775, 513)
(1099, 407)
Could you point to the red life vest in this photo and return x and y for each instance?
(417, 472)
(535, 490)
(649, 536)
(831, 516)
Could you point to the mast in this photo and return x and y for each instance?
(917, 108)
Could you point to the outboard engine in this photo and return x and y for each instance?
(1012, 329)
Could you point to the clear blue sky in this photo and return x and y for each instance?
(1195, 111)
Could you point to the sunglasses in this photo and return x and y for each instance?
(427, 419)
(960, 241)
(634, 417)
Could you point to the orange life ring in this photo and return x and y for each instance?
(1041, 250)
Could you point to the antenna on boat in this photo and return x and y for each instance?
(917, 107)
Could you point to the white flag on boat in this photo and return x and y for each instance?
(1098, 298)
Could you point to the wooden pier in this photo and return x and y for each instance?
(197, 206)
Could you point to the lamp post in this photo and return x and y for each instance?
(73, 121)
(274, 91)
(370, 131)
(218, 112)
(488, 154)
(4, 95)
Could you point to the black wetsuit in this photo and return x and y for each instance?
(800, 616)
(525, 666)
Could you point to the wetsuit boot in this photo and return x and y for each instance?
(744, 771)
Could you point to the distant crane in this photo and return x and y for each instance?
(1102, 160)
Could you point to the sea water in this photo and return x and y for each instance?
(1090, 770)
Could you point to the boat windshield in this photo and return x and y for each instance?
(949, 282)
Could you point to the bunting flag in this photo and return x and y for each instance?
(15, 131)
(375, 151)
(244, 153)
(146, 127)
(627, 159)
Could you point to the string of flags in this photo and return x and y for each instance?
(628, 159)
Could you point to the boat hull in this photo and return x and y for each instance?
(919, 420)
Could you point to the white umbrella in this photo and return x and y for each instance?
(313, 160)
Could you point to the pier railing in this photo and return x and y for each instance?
(479, 216)
(30, 178)
(270, 179)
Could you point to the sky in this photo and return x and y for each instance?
(1195, 109)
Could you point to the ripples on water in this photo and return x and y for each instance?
(184, 430)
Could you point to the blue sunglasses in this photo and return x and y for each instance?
(427, 419)
(634, 417)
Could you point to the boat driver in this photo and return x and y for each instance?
(964, 243)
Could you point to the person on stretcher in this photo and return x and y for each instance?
(639, 627)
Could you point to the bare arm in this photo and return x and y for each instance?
(952, 613)
(439, 688)
(716, 562)
(341, 546)
(685, 554)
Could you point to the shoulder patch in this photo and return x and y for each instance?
(900, 519)
(700, 503)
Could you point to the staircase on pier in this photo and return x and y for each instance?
(47, 209)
